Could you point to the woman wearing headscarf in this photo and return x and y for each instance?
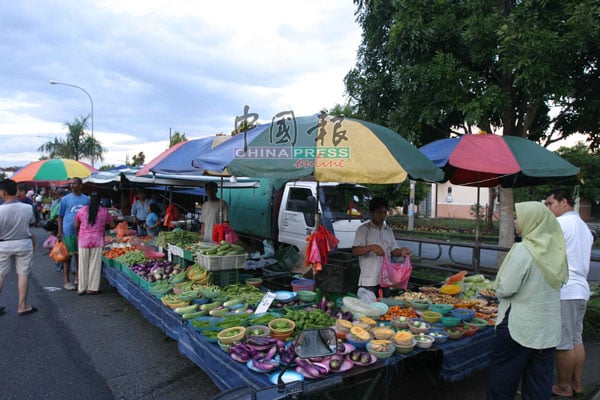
(528, 322)
(91, 222)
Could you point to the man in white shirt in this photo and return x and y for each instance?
(214, 211)
(570, 352)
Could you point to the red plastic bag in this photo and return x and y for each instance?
(59, 252)
(225, 232)
(395, 275)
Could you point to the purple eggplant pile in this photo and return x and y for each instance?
(262, 351)
(156, 270)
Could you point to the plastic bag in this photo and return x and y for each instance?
(366, 295)
(122, 229)
(50, 242)
(395, 275)
(224, 232)
(59, 252)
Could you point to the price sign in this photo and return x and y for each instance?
(265, 303)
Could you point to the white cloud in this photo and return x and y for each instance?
(154, 65)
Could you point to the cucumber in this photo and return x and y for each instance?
(219, 312)
(233, 302)
(242, 309)
(212, 251)
(186, 309)
(225, 246)
(195, 314)
(211, 306)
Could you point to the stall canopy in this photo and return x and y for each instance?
(127, 176)
(331, 148)
(178, 158)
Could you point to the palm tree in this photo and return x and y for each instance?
(77, 145)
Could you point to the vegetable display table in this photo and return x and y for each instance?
(460, 358)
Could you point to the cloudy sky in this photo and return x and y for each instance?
(154, 65)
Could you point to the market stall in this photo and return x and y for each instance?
(458, 358)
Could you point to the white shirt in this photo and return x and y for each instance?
(211, 215)
(579, 241)
(370, 264)
(15, 218)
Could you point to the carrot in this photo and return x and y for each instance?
(397, 311)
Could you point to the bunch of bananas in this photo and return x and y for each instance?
(173, 301)
(198, 274)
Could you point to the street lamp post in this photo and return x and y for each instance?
(92, 114)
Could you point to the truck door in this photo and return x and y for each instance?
(297, 216)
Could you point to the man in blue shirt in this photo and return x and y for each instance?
(69, 205)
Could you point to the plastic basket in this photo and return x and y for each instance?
(225, 277)
(338, 278)
(303, 284)
(218, 263)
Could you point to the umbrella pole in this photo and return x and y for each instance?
(476, 249)
(221, 202)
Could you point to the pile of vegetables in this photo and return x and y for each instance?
(223, 249)
(310, 319)
(132, 257)
(472, 284)
(179, 238)
(156, 270)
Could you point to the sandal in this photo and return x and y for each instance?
(69, 286)
(92, 292)
(557, 391)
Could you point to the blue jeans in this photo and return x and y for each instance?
(512, 363)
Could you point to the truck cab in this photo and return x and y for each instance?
(341, 209)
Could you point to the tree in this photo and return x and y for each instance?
(77, 145)
(137, 159)
(176, 138)
(432, 68)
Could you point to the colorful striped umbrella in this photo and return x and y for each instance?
(331, 148)
(56, 169)
(487, 160)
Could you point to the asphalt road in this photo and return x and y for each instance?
(87, 347)
(100, 347)
(445, 254)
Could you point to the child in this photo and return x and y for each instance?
(152, 220)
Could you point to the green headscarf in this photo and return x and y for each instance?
(543, 238)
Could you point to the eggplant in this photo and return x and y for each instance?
(271, 353)
(335, 365)
(259, 363)
(355, 355)
(260, 340)
(323, 304)
(239, 357)
(365, 358)
(322, 369)
(309, 369)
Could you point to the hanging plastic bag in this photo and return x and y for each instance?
(395, 275)
(59, 252)
(50, 242)
(122, 229)
(225, 232)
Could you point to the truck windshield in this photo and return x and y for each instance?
(346, 201)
